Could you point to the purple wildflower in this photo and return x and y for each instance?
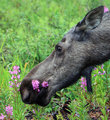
(2, 117)
(108, 110)
(15, 72)
(105, 9)
(103, 73)
(35, 85)
(33, 111)
(12, 77)
(18, 84)
(99, 72)
(11, 84)
(16, 67)
(15, 76)
(83, 83)
(45, 84)
(38, 90)
(11, 72)
(18, 76)
(95, 75)
(15, 80)
(102, 66)
(9, 110)
(18, 90)
(95, 68)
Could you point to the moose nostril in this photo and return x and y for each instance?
(26, 96)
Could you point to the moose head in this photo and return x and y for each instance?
(86, 44)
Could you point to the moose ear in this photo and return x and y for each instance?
(92, 19)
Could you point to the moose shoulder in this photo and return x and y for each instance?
(83, 47)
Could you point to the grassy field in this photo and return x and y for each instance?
(29, 31)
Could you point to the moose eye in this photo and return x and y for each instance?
(58, 48)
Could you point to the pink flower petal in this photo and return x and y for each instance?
(15, 80)
(38, 90)
(9, 110)
(18, 76)
(16, 67)
(102, 66)
(105, 9)
(35, 85)
(95, 68)
(2, 116)
(18, 85)
(33, 111)
(83, 83)
(45, 84)
(95, 75)
(82, 78)
(11, 72)
(12, 77)
(15, 72)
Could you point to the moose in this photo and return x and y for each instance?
(85, 46)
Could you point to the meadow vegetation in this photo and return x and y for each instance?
(29, 31)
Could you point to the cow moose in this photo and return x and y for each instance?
(86, 45)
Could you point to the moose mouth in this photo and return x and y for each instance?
(41, 98)
(31, 96)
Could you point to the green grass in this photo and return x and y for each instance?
(29, 30)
